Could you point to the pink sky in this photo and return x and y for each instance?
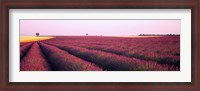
(99, 27)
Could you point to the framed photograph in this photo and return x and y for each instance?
(100, 45)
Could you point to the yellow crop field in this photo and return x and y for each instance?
(34, 38)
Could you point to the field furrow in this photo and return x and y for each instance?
(24, 49)
(34, 60)
(158, 59)
(62, 61)
(110, 61)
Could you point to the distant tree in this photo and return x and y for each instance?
(86, 34)
(37, 34)
(141, 35)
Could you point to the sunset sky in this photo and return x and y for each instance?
(99, 27)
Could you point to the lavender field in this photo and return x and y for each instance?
(98, 53)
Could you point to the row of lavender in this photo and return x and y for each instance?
(43, 57)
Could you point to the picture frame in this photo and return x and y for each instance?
(118, 4)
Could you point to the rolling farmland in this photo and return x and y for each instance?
(98, 53)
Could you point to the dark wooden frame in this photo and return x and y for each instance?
(99, 4)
